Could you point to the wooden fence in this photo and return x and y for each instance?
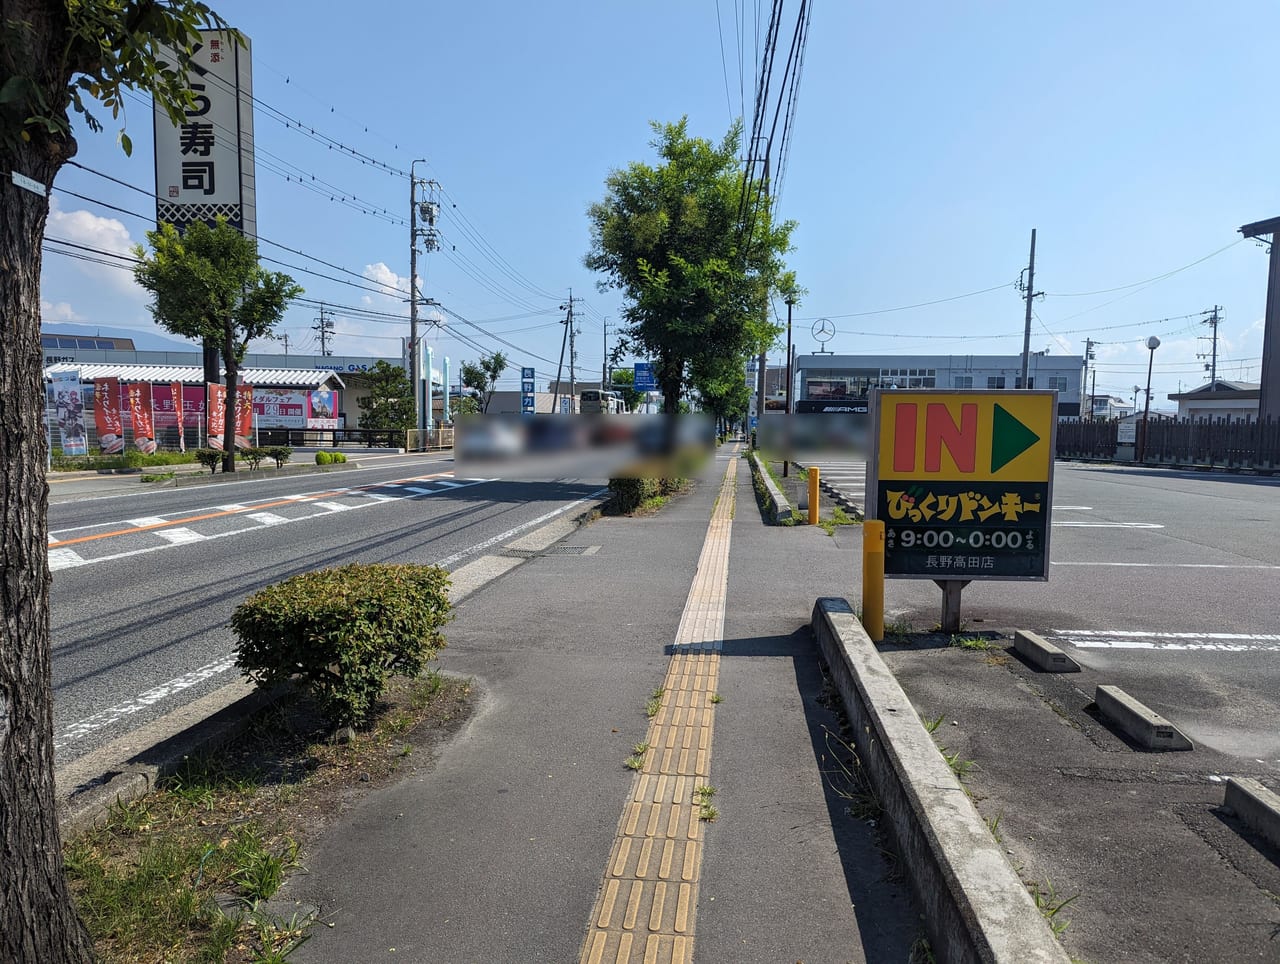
(1213, 443)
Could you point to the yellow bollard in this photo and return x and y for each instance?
(813, 495)
(873, 579)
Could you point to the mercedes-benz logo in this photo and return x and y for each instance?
(823, 330)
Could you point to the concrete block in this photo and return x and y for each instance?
(1256, 806)
(1145, 726)
(1042, 653)
(975, 907)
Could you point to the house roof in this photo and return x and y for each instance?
(309, 378)
(1220, 387)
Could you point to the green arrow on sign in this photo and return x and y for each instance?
(1009, 439)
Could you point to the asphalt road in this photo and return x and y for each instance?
(145, 580)
(1166, 581)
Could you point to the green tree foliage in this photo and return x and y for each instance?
(389, 404)
(207, 283)
(483, 375)
(624, 381)
(56, 57)
(694, 252)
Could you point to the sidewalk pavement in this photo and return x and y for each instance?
(499, 852)
(517, 843)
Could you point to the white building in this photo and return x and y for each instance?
(1233, 401)
(843, 381)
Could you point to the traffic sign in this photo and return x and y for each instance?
(526, 374)
(963, 482)
(644, 378)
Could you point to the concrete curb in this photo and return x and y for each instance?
(249, 475)
(975, 907)
(777, 508)
(841, 499)
(1145, 726)
(129, 767)
(1043, 653)
(1256, 806)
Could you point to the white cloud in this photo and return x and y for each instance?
(62, 311)
(100, 234)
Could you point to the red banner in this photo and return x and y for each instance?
(244, 416)
(106, 415)
(142, 416)
(217, 409)
(218, 415)
(175, 397)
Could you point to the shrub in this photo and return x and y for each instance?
(628, 494)
(209, 458)
(253, 456)
(343, 632)
(339, 457)
(280, 453)
(323, 458)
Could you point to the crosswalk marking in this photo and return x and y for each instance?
(1142, 639)
(64, 559)
(334, 506)
(268, 518)
(180, 536)
(146, 520)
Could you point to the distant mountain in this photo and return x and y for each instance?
(142, 340)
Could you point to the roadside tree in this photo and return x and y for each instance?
(389, 404)
(692, 245)
(207, 283)
(483, 375)
(56, 57)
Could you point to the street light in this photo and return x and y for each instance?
(1152, 343)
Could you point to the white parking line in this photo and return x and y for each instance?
(1140, 639)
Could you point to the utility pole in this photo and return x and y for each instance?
(567, 339)
(1088, 357)
(573, 358)
(428, 210)
(791, 300)
(325, 327)
(1029, 292)
(285, 339)
(1212, 322)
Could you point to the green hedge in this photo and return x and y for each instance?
(342, 632)
(324, 458)
(132, 459)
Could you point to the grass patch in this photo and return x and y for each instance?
(838, 518)
(717, 698)
(842, 768)
(931, 725)
(158, 476)
(655, 703)
(1050, 905)
(971, 643)
(181, 873)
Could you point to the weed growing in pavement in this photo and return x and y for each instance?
(978, 643)
(958, 766)
(655, 703)
(898, 630)
(704, 793)
(921, 952)
(994, 826)
(1050, 905)
(838, 518)
(636, 760)
(931, 725)
(842, 768)
(707, 812)
(717, 698)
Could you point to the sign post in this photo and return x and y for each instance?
(963, 482)
(526, 391)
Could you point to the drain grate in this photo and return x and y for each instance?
(551, 551)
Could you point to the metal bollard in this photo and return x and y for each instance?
(873, 579)
(814, 514)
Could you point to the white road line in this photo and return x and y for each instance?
(1108, 525)
(1168, 565)
(65, 559)
(267, 518)
(334, 506)
(181, 536)
(418, 490)
(232, 507)
(448, 561)
(148, 520)
(448, 484)
(143, 700)
(1079, 508)
(1211, 642)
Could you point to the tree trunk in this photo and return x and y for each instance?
(37, 917)
(233, 382)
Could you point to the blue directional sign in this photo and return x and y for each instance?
(526, 391)
(645, 380)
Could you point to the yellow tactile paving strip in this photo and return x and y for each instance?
(648, 900)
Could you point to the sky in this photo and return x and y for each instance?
(929, 140)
